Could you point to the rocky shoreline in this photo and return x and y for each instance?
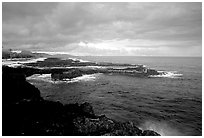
(25, 112)
(63, 69)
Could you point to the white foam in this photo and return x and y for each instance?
(34, 60)
(42, 77)
(167, 74)
(163, 128)
(16, 51)
(19, 61)
(47, 78)
(98, 67)
(91, 77)
(80, 60)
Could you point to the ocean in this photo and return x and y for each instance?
(169, 104)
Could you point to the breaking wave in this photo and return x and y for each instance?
(167, 74)
(80, 60)
(91, 77)
(41, 77)
(20, 61)
(47, 78)
(161, 127)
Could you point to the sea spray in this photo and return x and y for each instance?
(16, 62)
(47, 78)
(167, 74)
(162, 128)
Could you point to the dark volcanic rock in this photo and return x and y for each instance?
(16, 88)
(149, 133)
(69, 68)
(128, 69)
(57, 62)
(87, 109)
(125, 129)
(72, 73)
(97, 126)
(152, 72)
(24, 112)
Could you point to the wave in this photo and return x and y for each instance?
(163, 128)
(80, 60)
(167, 74)
(20, 61)
(16, 51)
(91, 77)
(47, 78)
(41, 77)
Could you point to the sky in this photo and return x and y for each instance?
(104, 29)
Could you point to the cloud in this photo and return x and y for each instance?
(107, 28)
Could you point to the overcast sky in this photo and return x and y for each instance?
(123, 29)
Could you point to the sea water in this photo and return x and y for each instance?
(170, 104)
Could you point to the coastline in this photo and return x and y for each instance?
(25, 112)
(44, 69)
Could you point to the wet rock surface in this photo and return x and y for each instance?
(24, 112)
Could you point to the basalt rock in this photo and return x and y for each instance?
(69, 69)
(152, 72)
(72, 73)
(87, 109)
(149, 133)
(16, 88)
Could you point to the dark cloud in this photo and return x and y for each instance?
(107, 28)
